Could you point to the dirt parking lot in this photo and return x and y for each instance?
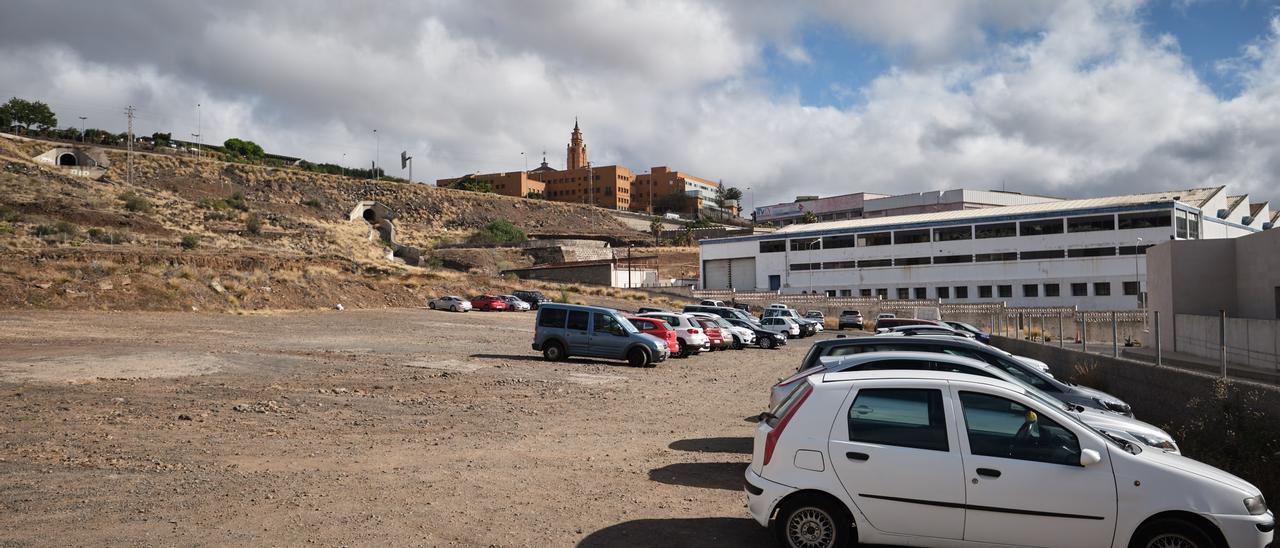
(398, 427)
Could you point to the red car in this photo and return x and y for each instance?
(488, 302)
(713, 334)
(659, 329)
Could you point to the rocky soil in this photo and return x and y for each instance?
(389, 427)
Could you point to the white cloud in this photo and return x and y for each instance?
(1069, 98)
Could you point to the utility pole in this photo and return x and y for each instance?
(129, 151)
(377, 151)
(343, 166)
(82, 119)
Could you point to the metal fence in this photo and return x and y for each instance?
(1065, 325)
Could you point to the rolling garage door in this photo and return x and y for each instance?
(737, 274)
(742, 274)
(715, 274)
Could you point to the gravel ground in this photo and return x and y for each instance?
(398, 427)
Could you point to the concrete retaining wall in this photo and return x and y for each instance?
(1226, 423)
(1251, 343)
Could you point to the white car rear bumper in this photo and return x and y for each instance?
(762, 503)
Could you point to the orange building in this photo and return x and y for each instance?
(608, 186)
(520, 184)
(661, 181)
(613, 186)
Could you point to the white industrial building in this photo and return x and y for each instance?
(1086, 253)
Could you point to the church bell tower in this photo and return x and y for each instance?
(577, 156)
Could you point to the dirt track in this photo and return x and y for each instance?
(404, 427)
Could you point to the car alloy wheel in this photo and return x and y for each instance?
(431, 305)
(1172, 540)
(811, 527)
(766, 343)
(684, 349)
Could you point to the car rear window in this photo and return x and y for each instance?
(900, 417)
(552, 317)
(641, 324)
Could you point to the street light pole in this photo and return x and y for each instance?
(82, 119)
(377, 151)
(525, 157)
(1137, 280)
(591, 186)
(343, 166)
(199, 130)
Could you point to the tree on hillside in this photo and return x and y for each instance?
(655, 226)
(733, 193)
(248, 150)
(535, 195)
(161, 139)
(809, 217)
(472, 184)
(28, 113)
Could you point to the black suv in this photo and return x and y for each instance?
(534, 298)
(1071, 393)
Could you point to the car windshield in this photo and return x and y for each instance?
(1071, 411)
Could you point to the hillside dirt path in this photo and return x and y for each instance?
(396, 427)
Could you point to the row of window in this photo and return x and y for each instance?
(1040, 227)
(995, 427)
(1039, 255)
(959, 292)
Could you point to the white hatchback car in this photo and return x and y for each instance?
(779, 324)
(688, 332)
(742, 337)
(930, 458)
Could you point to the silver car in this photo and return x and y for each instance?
(515, 304)
(450, 302)
(1108, 422)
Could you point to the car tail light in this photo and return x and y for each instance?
(693, 331)
(771, 439)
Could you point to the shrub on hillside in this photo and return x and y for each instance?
(190, 241)
(234, 201)
(61, 228)
(135, 203)
(500, 231)
(113, 237)
(253, 224)
(8, 215)
(312, 203)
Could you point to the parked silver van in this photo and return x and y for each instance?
(564, 330)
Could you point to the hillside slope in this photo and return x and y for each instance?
(224, 236)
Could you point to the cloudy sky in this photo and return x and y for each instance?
(1071, 98)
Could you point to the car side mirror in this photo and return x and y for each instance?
(1089, 457)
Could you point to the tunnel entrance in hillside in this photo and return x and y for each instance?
(67, 159)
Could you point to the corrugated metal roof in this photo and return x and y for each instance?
(1195, 197)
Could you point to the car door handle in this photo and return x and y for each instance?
(853, 455)
(989, 472)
